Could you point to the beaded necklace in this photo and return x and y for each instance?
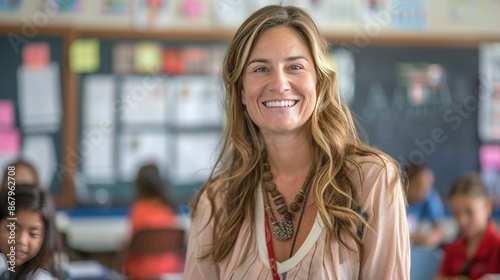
(282, 230)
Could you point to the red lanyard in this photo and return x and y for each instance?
(270, 252)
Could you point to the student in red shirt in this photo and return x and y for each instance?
(476, 252)
(152, 209)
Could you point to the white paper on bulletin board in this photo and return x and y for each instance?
(143, 100)
(139, 149)
(99, 100)
(39, 98)
(98, 156)
(195, 101)
(196, 154)
(39, 150)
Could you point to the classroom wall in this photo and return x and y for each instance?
(447, 17)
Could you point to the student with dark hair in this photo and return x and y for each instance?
(424, 205)
(33, 226)
(152, 209)
(476, 252)
(25, 174)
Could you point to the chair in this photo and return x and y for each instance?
(151, 243)
(424, 263)
(157, 241)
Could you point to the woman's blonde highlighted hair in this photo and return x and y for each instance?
(232, 184)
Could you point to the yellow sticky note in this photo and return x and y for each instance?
(148, 57)
(84, 55)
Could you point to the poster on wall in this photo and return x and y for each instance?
(409, 14)
(489, 92)
(153, 14)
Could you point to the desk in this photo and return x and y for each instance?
(95, 234)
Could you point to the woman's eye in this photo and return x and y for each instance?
(260, 69)
(296, 67)
(34, 235)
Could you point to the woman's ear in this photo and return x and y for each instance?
(243, 99)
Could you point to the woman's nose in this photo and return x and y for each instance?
(280, 82)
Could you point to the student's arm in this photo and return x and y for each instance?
(432, 238)
(200, 239)
(387, 243)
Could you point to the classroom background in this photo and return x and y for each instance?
(92, 90)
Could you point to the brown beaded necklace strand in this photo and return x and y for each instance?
(283, 230)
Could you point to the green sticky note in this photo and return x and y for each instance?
(84, 55)
(148, 57)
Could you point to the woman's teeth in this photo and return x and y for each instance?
(284, 103)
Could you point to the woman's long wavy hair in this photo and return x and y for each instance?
(233, 181)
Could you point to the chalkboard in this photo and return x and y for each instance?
(419, 105)
(10, 60)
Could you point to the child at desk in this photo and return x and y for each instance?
(425, 205)
(32, 224)
(25, 173)
(476, 252)
(152, 209)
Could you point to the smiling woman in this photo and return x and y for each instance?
(294, 193)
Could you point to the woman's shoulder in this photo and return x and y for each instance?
(374, 175)
(372, 166)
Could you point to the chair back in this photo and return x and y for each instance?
(157, 241)
(424, 263)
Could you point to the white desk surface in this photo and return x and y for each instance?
(99, 234)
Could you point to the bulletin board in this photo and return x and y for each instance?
(107, 171)
(38, 143)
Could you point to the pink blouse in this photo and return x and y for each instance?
(386, 241)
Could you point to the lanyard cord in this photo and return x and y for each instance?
(300, 219)
(269, 241)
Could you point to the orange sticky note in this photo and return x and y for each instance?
(36, 55)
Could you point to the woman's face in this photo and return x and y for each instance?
(279, 82)
(471, 213)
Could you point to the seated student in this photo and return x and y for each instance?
(477, 251)
(24, 173)
(151, 210)
(35, 233)
(424, 205)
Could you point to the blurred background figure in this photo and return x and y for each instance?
(425, 212)
(476, 252)
(36, 237)
(152, 209)
(25, 173)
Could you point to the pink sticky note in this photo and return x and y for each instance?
(193, 8)
(9, 142)
(489, 157)
(6, 114)
(36, 55)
